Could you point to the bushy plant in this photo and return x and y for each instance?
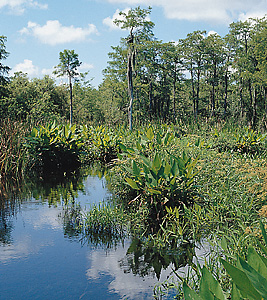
(55, 146)
(250, 141)
(160, 179)
(102, 143)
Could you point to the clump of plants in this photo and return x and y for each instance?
(12, 153)
(105, 225)
(250, 141)
(102, 144)
(55, 147)
(160, 179)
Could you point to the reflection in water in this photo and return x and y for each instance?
(145, 259)
(44, 253)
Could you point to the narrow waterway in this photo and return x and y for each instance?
(42, 257)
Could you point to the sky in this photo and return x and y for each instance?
(38, 30)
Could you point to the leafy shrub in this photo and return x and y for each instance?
(103, 144)
(250, 141)
(55, 147)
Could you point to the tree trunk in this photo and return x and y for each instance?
(71, 104)
(174, 96)
(225, 93)
(130, 89)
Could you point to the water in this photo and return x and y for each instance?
(42, 258)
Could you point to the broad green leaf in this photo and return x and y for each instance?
(146, 161)
(150, 134)
(189, 294)
(181, 163)
(263, 232)
(156, 162)
(167, 169)
(174, 169)
(256, 262)
(136, 170)
(122, 147)
(132, 183)
(257, 280)
(154, 192)
(224, 244)
(209, 286)
(235, 294)
(241, 281)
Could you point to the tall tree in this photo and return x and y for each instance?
(193, 52)
(215, 58)
(68, 66)
(140, 28)
(3, 69)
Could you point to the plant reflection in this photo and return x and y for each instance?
(143, 258)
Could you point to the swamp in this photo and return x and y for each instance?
(151, 186)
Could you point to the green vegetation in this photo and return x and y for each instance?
(192, 168)
(55, 147)
(249, 277)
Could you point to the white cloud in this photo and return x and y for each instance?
(26, 67)
(86, 66)
(124, 283)
(109, 20)
(48, 72)
(215, 11)
(19, 6)
(212, 32)
(53, 32)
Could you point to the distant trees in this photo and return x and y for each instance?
(202, 75)
(37, 99)
(68, 66)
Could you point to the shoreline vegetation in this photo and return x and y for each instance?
(172, 185)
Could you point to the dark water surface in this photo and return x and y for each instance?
(41, 259)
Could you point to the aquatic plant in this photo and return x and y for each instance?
(249, 277)
(104, 225)
(55, 146)
(13, 156)
(160, 179)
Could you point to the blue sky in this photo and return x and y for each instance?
(37, 30)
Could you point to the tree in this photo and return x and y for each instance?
(69, 63)
(3, 69)
(136, 21)
(193, 54)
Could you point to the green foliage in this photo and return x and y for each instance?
(103, 143)
(163, 179)
(249, 278)
(105, 225)
(39, 100)
(55, 147)
(250, 141)
(12, 154)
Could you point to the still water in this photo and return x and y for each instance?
(41, 258)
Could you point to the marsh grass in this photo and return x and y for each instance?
(13, 156)
(105, 225)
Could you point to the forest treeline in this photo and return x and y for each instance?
(201, 76)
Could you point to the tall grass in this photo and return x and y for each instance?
(12, 153)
